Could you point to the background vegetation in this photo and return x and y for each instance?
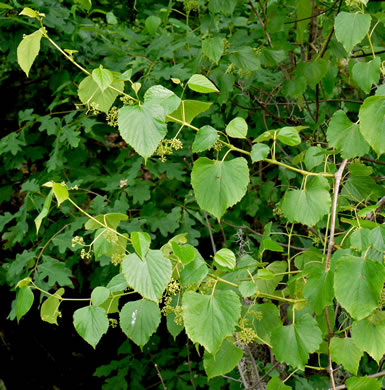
(286, 97)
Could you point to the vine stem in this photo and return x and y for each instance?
(338, 176)
(98, 222)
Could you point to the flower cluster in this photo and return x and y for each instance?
(94, 108)
(77, 240)
(85, 255)
(191, 5)
(113, 322)
(173, 287)
(246, 335)
(217, 146)
(112, 117)
(117, 258)
(167, 146)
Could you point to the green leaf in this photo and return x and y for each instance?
(49, 311)
(369, 335)
(152, 23)
(91, 323)
(28, 50)
(61, 192)
(141, 242)
(209, 319)
(351, 28)
(303, 10)
(319, 287)
(89, 92)
(202, 84)
(185, 253)
(246, 58)
(107, 243)
(27, 12)
(259, 152)
(219, 185)
(237, 128)
(225, 258)
(292, 344)
(307, 206)
(224, 361)
(99, 295)
(315, 71)
(139, 320)
(117, 283)
(346, 137)
(44, 212)
(344, 351)
(357, 169)
(24, 301)
(365, 74)
(276, 384)
(204, 139)
(143, 127)
(358, 284)
(289, 135)
(148, 277)
(372, 124)
(111, 220)
(268, 286)
(102, 77)
(188, 110)
(313, 157)
(263, 318)
(194, 272)
(363, 383)
(160, 95)
(213, 48)
(174, 328)
(55, 270)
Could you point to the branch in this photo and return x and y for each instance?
(315, 15)
(262, 24)
(160, 376)
(376, 375)
(338, 176)
(373, 161)
(368, 54)
(380, 204)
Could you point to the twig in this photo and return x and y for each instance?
(331, 372)
(46, 244)
(373, 161)
(189, 365)
(223, 235)
(160, 376)
(338, 176)
(231, 379)
(368, 54)
(262, 24)
(246, 386)
(255, 369)
(380, 204)
(210, 233)
(323, 50)
(315, 15)
(260, 235)
(268, 372)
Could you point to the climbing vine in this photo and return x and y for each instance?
(221, 169)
